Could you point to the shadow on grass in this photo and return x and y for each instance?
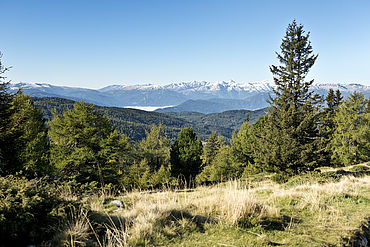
(101, 221)
(360, 237)
(279, 224)
(171, 223)
(270, 224)
(179, 223)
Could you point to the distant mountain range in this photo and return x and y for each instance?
(204, 97)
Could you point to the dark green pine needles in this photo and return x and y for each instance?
(290, 140)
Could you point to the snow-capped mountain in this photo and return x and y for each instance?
(230, 94)
(342, 87)
(221, 85)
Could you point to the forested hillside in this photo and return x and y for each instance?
(134, 123)
(229, 119)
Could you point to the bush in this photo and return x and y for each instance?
(314, 177)
(280, 177)
(223, 167)
(360, 168)
(28, 209)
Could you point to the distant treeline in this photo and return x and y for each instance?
(134, 123)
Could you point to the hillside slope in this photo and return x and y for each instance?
(229, 119)
(134, 123)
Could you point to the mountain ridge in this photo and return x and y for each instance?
(229, 95)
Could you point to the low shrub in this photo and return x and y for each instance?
(280, 177)
(28, 209)
(360, 168)
(314, 177)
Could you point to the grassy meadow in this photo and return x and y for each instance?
(326, 208)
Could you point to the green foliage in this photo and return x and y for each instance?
(290, 138)
(131, 122)
(312, 177)
(242, 144)
(134, 123)
(27, 211)
(151, 168)
(138, 176)
(85, 148)
(6, 147)
(327, 128)
(223, 123)
(116, 154)
(351, 140)
(29, 134)
(360, 168)
(236, 160)
(24, 146)
(161, 177)
(155, 148)
(224, 166)
(185, 155)
(211, 148)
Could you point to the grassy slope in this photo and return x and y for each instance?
(319, 210)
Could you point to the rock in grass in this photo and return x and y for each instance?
(118, 203)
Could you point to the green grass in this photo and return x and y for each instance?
(306, 211)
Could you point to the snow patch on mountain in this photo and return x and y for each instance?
(342, 87)
(199, 86)
(250, 95)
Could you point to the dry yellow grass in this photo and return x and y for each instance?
(149, 216)
(75, 230)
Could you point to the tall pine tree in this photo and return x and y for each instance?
(291, 135)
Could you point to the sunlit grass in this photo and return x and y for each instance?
(234, 213)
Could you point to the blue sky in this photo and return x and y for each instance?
(92, 44)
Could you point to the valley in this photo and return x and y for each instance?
(134, 122)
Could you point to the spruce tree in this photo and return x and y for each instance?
(291, 137)
(185, 155)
